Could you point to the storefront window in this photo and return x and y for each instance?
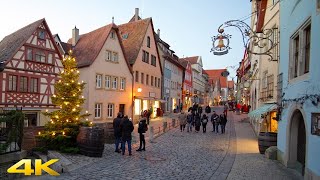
(137, 107)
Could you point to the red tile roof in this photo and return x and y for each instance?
(192, 60)
(216, 73)
(135, 32)
(183, 62)
(11, 43)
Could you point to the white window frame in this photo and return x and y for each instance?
(110, 110)
(98, 80)
(122, 83)
(114, 82)
(97, 110)
(301, 51)
(107, 81)
(115, 57)
(108, 55)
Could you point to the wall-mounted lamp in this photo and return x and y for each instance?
(139, 89)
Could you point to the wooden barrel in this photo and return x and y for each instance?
(91, 141)
(108, 132)
(265, 140)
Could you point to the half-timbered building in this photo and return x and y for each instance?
(32, 65)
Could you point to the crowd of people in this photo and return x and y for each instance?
(195, 118)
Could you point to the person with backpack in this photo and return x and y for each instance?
(182, 120)
(197, 123)
(223, 119)
(217, 123)
(189, 121)
(142, 128)
(214, 116)
(204, 123)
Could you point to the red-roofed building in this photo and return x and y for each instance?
(32, 66)
(215, 74)
(187, 91)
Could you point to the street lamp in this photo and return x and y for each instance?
(139, 89)
(262, 40)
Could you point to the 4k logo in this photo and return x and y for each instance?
(27, 170)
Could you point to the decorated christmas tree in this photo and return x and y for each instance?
(62, 129)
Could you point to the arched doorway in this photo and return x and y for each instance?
(297, 143)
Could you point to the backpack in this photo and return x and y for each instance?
(205, 121)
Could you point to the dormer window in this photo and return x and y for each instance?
(41, 34)
(113, 36)
(148, 41)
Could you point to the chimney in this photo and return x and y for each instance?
(158, 32)
(136, 15)
(75, 36)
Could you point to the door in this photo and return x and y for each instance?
(301, 147)
(121, 108)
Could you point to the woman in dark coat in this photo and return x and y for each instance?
(197, 122)
(223, 122)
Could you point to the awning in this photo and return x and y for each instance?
(263, 109)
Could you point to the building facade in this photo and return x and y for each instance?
(187, 91)
(106, 72)
(32, 66)
(299, 125)
(220, 85)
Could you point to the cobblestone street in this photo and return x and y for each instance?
(183, 155)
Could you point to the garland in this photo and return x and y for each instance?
(315, 99)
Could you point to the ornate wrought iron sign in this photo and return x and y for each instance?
(255, 43)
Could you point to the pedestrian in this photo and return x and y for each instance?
(208, 109)
(204, 123)
(142, 128)
(126, 128)
(189, 121)
(225, 110)
(223, 123)
(214, 116)
(200, 110)
(117, 132)
(197, 120)
(217, 123)
(182, 120)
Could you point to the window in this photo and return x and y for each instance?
(33, 85)
(110, 110)
(122, 83)
(147, 79)
(115, 57)
(12, 83)
(155, 81)
(137, 76)
(148, 41)
(153, 60)
(151, 80)
(275, 39)
(158, 82)
(97, 110)
(50, 58)
(40, 56)
(274, 2)
(98, 80)
(107, 82)
(23, 84)
(115, 83)
(29, 54)
(142, 78)
(41, 34)
(145, 57)
(108, 55)
(299, 63)
(113, 36)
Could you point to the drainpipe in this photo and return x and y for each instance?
(132, 99)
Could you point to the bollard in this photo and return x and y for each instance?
(164, 126)
(151, 134)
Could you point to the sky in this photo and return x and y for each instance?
(187, 26)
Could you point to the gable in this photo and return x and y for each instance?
(200, 61)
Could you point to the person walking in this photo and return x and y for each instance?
(197, 120)
(214, 116)
(217, 123)
(117, 132)
(182, 120)
(126, 128)
(142, 128)
(204, 123)
(225, 109)
(223, 123)
(208, 110)
(200, 111)
(189, 121)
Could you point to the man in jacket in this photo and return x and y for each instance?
(214, 117)
(208, 110)
(117, 132)
(142, 128)
(126, 128)
(182, 120)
